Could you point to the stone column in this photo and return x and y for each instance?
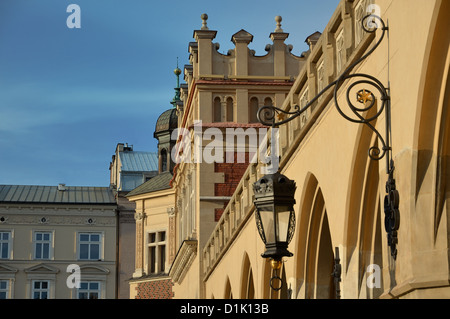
(204, 38)
(139, 261)
(172, 236)
(279, 47)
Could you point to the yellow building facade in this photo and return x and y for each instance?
(340, 196)
(57, 242)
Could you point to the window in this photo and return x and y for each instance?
(89, 290)
(42, 245)
(340, 52)
(4, 289)
(230, 110)
(304, 98)
(40, 289)
(268, 101)
(254, 106)
(359, 15)
(320, 77)
(89, 246)
(163, 160)
(5, 244)
(157, 252)
(217, 110)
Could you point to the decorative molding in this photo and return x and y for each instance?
(183, 260)
(57, 220)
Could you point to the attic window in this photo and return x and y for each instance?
(163, 160)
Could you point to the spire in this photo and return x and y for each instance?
(176, 98)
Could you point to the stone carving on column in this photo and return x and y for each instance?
(172, 233)
(139, 217)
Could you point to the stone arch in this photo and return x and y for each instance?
(319, 263)
(230, 109)
(228, 293)
(253, 109)
(369, 229)
(268, 101)
(266, 275)
(247, 281)
(217, 109)
(303, 217)
(362, 235)
(432, 181)
(315, 253)
(357, 181)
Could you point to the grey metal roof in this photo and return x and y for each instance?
(157, 183)
(51, 194)
(139, 161)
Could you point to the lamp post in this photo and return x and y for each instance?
(274, 193)
(275, 217)
(274, 116)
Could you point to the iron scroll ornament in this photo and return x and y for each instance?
(366, 98)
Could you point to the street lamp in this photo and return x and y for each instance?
(357, 113)
(274, 193)
(275, 217)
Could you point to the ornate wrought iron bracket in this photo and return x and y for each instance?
(336, 274)
(367, 99)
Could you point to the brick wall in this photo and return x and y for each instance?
(232, 175)
(158, 289)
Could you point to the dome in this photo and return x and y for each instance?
(167, 121)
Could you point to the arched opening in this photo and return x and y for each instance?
(267, 274)
(315, 253)
(324, 281)
(369, 243)
(247, 284)
(228, 294)
(432, 144)
(320, 256)
(163, 160)
(362, 227)
(268, 101)
(432, 119)
(230, 110)
(217, 110)
(253, 110)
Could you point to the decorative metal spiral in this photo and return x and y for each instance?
(274, 116)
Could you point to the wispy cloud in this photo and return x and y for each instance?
(27, 107)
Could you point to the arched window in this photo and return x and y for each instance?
(268, 101)
(163, 160)
(230, 110)
(247, 285)
(253, 110)
(217, 113)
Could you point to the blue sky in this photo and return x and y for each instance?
(68, 96)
